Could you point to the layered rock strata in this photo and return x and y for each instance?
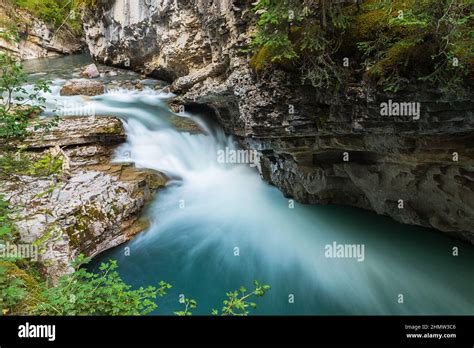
(74, 200)
(315, 146)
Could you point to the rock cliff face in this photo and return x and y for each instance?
(316, 146)
(37, 40)
(74, 200)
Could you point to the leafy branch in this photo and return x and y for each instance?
(238, 301)
(188, 305)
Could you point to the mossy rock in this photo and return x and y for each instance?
(365, 25)
(405, 56)
(138, 226)
(29, 283)
(185, 124)
(374, 18)
(260, 59)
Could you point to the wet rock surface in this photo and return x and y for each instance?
(89, 204)
(91, 71)
(82, 87)
(303, 134)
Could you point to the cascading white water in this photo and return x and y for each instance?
(228, 227)
(217, 227)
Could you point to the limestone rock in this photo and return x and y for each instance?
(77, 130)
(91, 205)
(82, 87)
(186, 82)
(390, 158)
(91, 71)
(37, 39)
(185, 124)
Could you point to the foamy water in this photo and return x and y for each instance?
(219, 226)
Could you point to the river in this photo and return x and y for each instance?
(217, 227)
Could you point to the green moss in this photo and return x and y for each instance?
(260, 59)
(25, 280)
(80, 229)
(395, 41)
(77, 231)
(322, 121)
(365, 25)
(85, 217)
(114, 129)
(27, 163)
(47, 165)
(377, 18)
(73, 238)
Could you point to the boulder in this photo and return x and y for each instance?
(82, 87)
(91, 71)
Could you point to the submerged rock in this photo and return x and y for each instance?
(87, 204)
(82, 87)
(185, 124)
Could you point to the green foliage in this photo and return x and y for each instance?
(17, 104)
(238, 301)
(13, 163)
(393, 42)
(273, 22)
(188, 305)
(418, 40)
(102, 293)
(47, 10)
(294, 33)
(58, 13)
(456, 44)
(46, 166)
(6, 226)
(12, 290)
(24, 292)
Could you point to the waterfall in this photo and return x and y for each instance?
(217, 226)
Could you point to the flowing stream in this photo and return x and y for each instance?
(217, 227)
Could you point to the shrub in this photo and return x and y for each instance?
(393, 42)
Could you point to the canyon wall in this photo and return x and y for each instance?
(316, 146)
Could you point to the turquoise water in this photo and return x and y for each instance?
(211, 209)
(195, 252)
(199, 220)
